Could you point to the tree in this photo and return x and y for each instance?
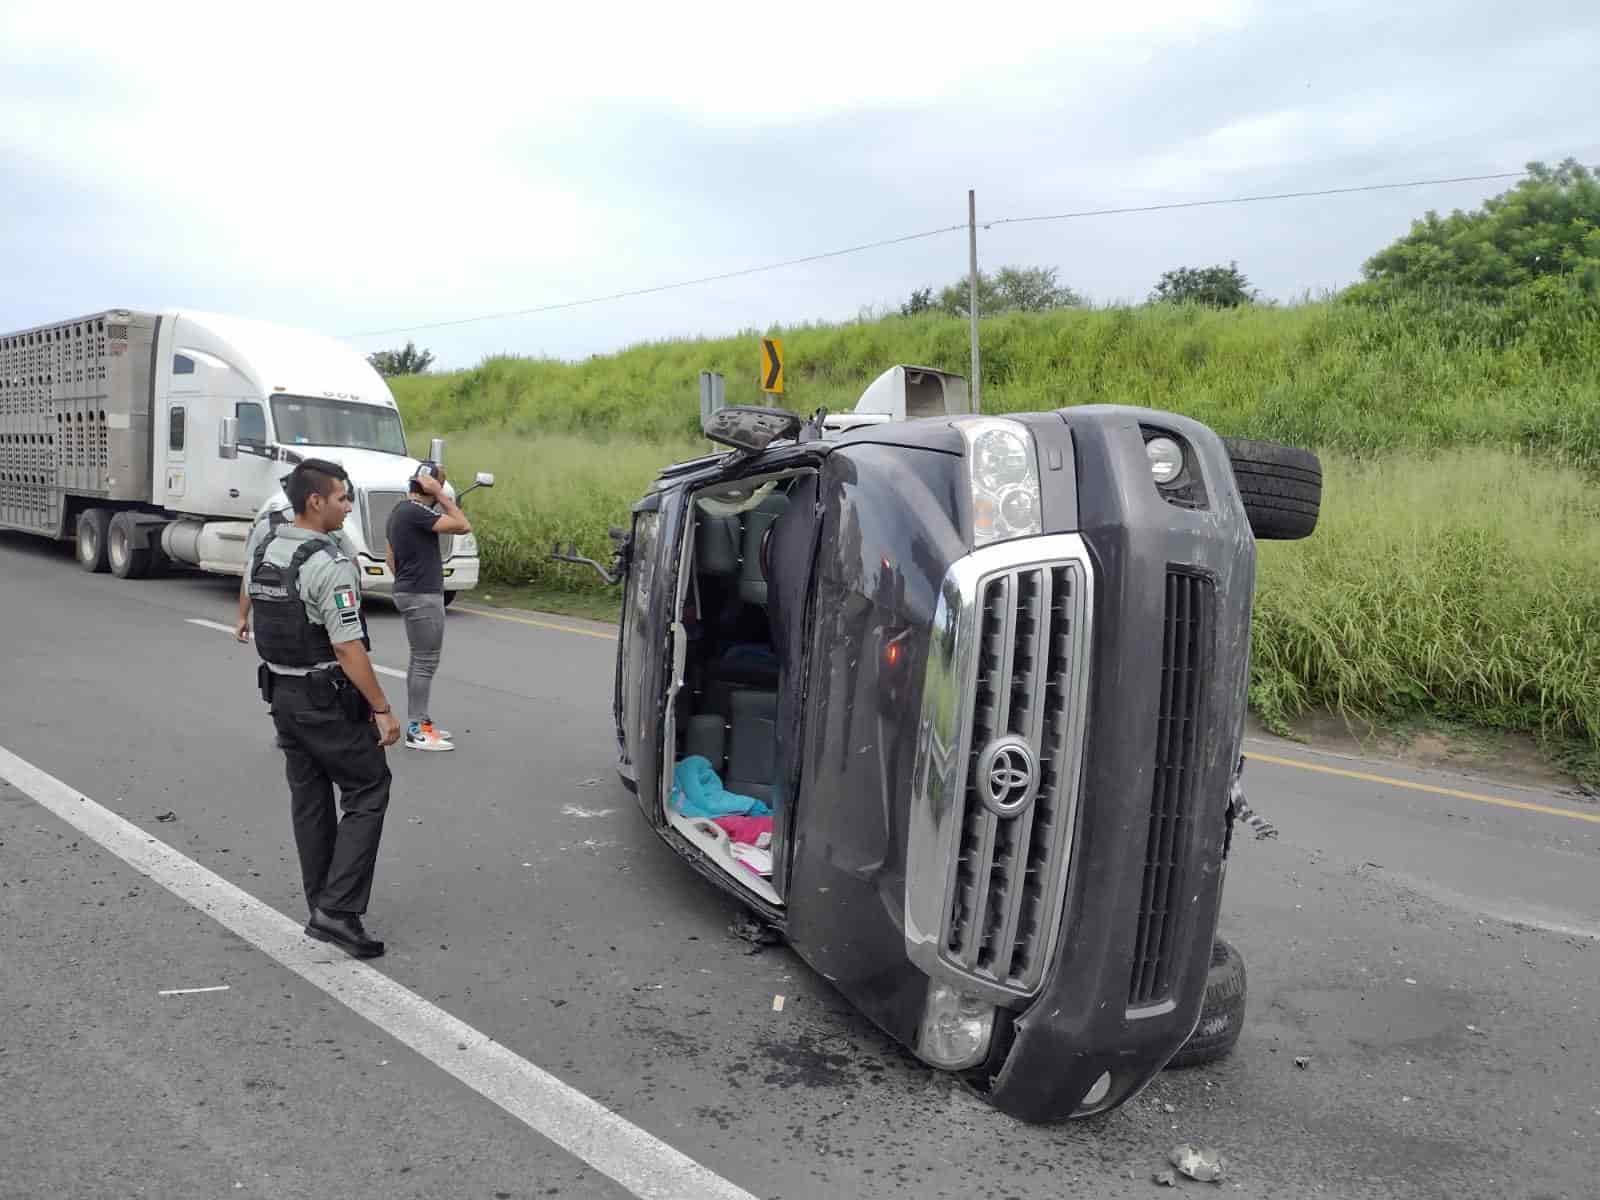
(1010, 289)
(409, 361)
(921, 301)
(1548, 224)
(1215, 287)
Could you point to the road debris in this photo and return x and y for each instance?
(1302, 1062)
(1166, 1179)
(169, 815)
(1254, 821)
(573, 810)
(777, 1004)
(1206, 1165)
(194, 991)
(757, 932)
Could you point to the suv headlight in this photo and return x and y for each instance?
(1003, 470)
(466, 543)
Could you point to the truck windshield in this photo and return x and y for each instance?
(319, 421)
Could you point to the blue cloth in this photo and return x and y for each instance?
(697, 791)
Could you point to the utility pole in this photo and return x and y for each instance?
(972, 294)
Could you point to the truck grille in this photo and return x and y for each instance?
(1004, 894)
(1185, 655)
(376, 507)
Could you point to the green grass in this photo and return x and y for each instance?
(553, 489)
(1460, 584)
(1416, 374)
(1455, 571)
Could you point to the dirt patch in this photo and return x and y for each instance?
(1489, 755)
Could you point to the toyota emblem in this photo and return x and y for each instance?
(1008, 776)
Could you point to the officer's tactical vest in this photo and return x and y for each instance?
(285, 636)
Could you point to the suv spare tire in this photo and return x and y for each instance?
(1221, 1013)
(1281, 487)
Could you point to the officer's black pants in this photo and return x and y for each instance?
(324, 747)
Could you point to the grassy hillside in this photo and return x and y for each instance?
(1419, 375)
(1455, 569)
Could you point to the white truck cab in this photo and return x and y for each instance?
(245, 401)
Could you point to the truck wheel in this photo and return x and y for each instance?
(1221, 1013)
(127, 559)
(1281, 487)
(91, 539)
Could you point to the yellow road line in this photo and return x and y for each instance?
(1386, 781)
(479, 612)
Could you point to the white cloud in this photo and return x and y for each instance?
(359, 166)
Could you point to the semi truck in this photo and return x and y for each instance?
(149, 439)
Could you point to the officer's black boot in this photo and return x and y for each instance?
(344, 931)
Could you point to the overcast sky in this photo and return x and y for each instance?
(352, 168)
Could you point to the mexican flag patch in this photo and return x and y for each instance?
(344, 598)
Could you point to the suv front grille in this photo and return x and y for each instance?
(1185, 658)
(1005, 893)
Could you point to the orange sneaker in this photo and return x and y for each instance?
(421, 735)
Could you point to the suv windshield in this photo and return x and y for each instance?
(318, 421)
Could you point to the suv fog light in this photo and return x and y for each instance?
(1098, 1093)
(955, 1028)
(1166, 459)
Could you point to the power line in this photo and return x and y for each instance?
(1344, 191)
(913, 237)
(667, 287)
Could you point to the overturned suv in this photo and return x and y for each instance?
(989, 674)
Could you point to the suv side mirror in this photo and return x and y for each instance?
(750, 428)
(484, 479)
(228, 440)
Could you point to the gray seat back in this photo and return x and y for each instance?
(752, 579)
(752, 744)
(716, 547)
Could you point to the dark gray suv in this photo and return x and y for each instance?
(956, 702)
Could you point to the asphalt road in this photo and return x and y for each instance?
(1435, 957)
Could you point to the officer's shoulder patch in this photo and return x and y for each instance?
(344, 599)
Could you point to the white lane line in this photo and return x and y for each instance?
(217, 625)
(586, 1129)
(228, 629)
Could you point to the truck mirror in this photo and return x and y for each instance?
(750, 428)
(484, 479)
(228, 442)
(436, 450)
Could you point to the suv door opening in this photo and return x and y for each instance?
(731, 666)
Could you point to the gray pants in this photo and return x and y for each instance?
(424, 617)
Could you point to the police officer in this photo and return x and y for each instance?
(273, 513)
(332, 718)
